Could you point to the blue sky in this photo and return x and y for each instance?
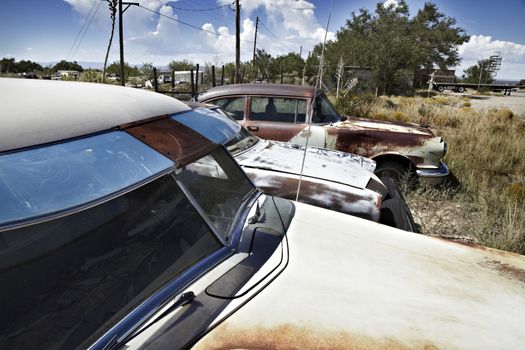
(45, 30)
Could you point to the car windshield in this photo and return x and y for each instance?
(324, 111)
(242, 141)
(219, 187)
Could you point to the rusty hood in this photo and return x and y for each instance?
(353, 284)
(340, 167)
(381, 125)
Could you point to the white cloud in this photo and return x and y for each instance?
(389, 3)
(481, 47)
(292, 22)
(29, 49)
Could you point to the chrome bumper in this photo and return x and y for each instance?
(433, 176)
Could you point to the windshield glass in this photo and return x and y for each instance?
(219, 187)
(324, 111)
(67, 280)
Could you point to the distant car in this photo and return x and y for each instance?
(282, 113)
(331, 179)
(120, 228)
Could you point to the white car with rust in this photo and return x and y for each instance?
(329, 179)
(120, 228)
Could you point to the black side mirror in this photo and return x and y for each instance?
(344, 118)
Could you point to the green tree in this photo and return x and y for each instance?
(181, 65)
(474, 74)
(394, 45)
(91, 76)
(266, 65)
(290, 63)
(129, 71)
(66, 65)
(146, 71)
(8, 65)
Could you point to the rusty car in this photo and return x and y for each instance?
(121, 228)
(330, 179)
(301, 114)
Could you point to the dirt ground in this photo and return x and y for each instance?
(515, 102)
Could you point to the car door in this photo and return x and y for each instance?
(275, 117)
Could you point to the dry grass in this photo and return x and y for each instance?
(487, 158)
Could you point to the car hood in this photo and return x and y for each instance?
(320, 163)
(351, 283)
(380, 125)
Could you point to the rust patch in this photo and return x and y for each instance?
(370, 143)
(297, 337)
(316, 193)
(172, 139)
(505, 270)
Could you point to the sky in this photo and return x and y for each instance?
(203, 31)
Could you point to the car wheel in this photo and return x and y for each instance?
(395, 170)
(396, 213)
(441, 88)
(461, 89)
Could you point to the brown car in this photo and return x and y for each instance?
(282, 112)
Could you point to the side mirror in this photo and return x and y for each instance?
(344, 118)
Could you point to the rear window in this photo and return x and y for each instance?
(67, 280)
(49, 180)
(276, 109)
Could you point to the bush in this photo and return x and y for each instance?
(356, 105)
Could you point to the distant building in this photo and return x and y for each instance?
(70, 74)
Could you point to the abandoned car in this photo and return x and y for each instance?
(331, 179)
(282, 112)
(120, 228)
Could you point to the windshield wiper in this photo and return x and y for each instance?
(185, 298)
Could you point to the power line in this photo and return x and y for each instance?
(81, 28)
(87, 28)
(191, 25)
(275, 36)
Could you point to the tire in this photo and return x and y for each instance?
(395, 213)
(461, 89)
(441, 88)
(392, 187)
(392, 169)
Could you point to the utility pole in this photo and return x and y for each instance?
(237, 41)
(300, 51)
(254, 47)
(121, 36)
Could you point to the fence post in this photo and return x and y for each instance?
(222, 75)
(281, 66)
(155, 81)
(172, 79)
(213, 76)
(192, 83)
(197, 79)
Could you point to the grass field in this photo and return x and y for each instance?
(485, 200)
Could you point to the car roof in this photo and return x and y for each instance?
(258, 89)
(42, 111)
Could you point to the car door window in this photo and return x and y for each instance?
(234, 106)
(276, 109)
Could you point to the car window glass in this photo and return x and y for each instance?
(219, 187)
(234, 106)
(324, 111)
(276, 109)
(71, 278)
(46, 180)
